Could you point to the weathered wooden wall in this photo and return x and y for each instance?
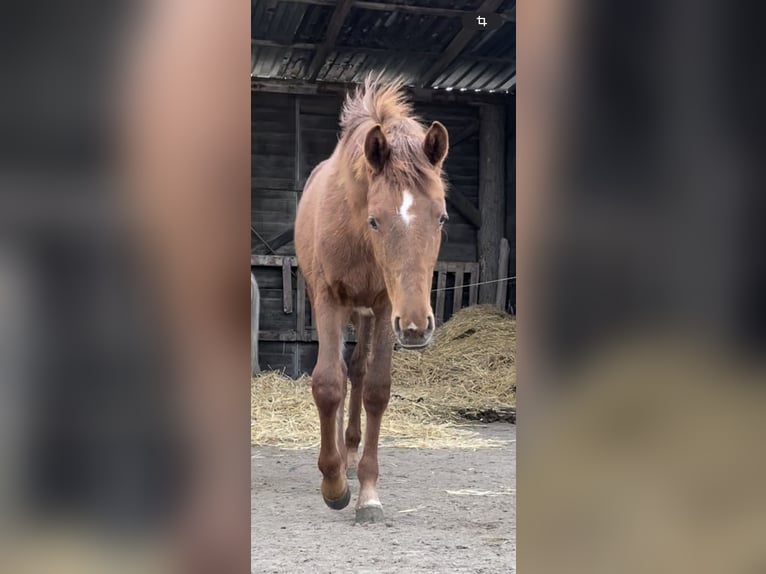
(291, 134)
(510, 201)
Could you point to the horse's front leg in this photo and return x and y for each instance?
(356, 372)
(376, 394)
(327, 385)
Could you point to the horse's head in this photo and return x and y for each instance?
(405, 214)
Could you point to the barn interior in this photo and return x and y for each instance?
(306, 55)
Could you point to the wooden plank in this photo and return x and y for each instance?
(300, 306)
(282, 238)
(407, 9)
(255, 309)
(297, 152)
(450, 266)
(459, 252)
(271, 260)
(287, 286)
(283, 183)
(342, 8)
(296, 359)
(502, 286)
(441, 283)
(457, 301)
(464, 206)
(285, 336)
(272, 44)
(290, 86)
(465, 135)
(491, 197)
(404, 9)
(473, 289)
(457, 45)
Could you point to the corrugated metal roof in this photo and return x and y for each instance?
(397, 38)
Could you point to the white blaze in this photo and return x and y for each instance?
(404, 209)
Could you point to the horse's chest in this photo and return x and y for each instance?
(357, 286)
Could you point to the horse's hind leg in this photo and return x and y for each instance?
(327, 384)
(376, 394)
(356, 371)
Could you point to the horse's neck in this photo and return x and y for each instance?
(354, 193)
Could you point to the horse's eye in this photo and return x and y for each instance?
(373, 222)
(443, 219)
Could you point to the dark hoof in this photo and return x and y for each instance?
(340, 503)
(369, 515)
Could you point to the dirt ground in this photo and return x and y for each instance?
(471, 528)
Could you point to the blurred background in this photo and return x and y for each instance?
(641, 346)
(123, 287)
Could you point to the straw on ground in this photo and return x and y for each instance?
(470, 365)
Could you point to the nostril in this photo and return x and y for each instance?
(397, 325)
(430, 327)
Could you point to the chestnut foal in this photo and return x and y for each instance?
(367, 235)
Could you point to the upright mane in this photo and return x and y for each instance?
(384, 103)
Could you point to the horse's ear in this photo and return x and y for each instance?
(436, 143)
(376, 149)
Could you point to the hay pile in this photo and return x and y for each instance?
(470, 367)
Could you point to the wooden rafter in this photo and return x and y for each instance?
(367, 50)
(293, 46)
(424, 10)
(406, 9)
(280, 86)
(457, 45)
(342, 8)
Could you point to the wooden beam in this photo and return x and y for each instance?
(457, 298)
(491, 197)
(342, 8)
(383, 51)
(457, 45)
(271, 260)
(282, 238)
(255, 310)
(423, 10)
(473, 289)
(313, 2)
(287, 287)
(300, 306)
(272, 44)
(464, 206)
(464, 135)
(441, 294)
(297, 128)
(423, 95)
(402, 8)
(502, 286)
